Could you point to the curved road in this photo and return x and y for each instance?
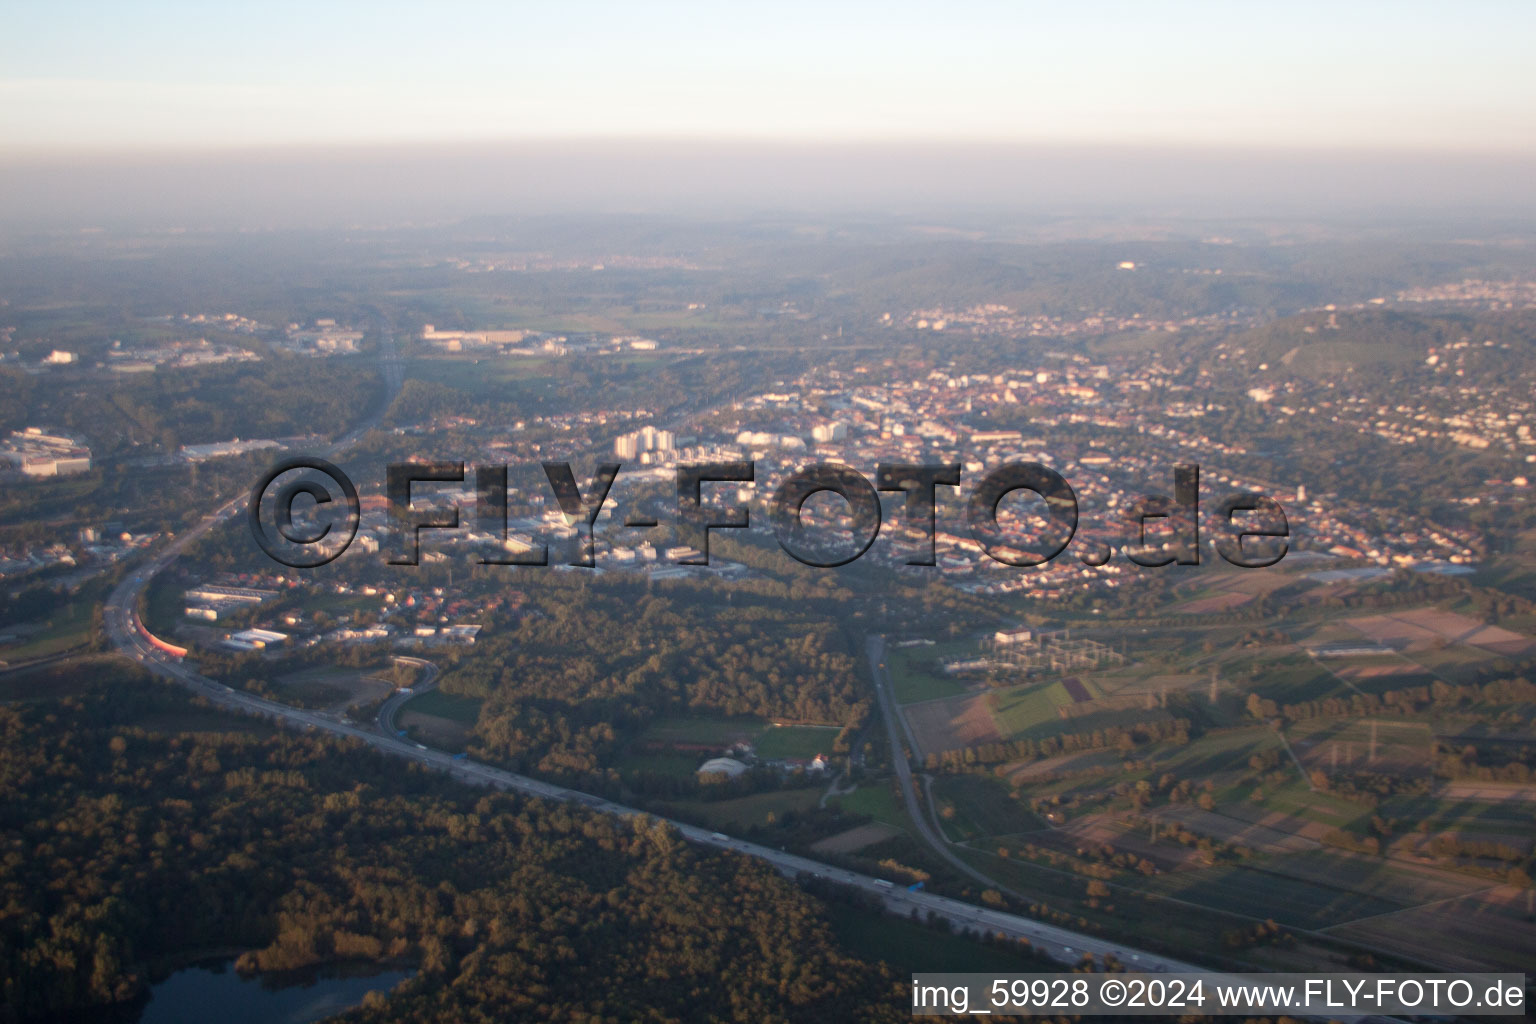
(899, 735)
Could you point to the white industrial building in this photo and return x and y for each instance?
(727, 766)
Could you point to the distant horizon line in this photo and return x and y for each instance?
(73, 153)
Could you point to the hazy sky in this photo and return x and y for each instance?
(152, 75)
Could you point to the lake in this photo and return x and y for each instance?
(216, 991)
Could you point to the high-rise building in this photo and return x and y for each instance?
(646, 439)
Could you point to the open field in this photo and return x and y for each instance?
(795, 741)
(877, 801)
(1157, 922)
(1394, 671)
(67, 628)
(701, 731)
(677, 764)
(1298, 800)
(1493, 930)
(433, 730)
(1272, 833)
(1132, 682)
(1223, 602)
(333, 687)
(1466, 808)
(1263, 896)
(1232, 591)
(675, 745)
(1427, 628)
(1455, 663)
(440, 719)
(1089, 716)
(1217, 754)
(1283, 673)
(738, 815)
(467, 373)
(1493, 792)
(974, 806)
(465, 710)
(1072, 835)
(915, 675)
(1231, 819)
(1407, 884)
(856, 838)
(1098, 829)
(1086, 761)
(952, 723)
(1021, 710)
(1380, 745)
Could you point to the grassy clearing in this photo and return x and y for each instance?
(915, 675)
(1283, 675)
(1457, 815)
(442, 733)
(1029, 710)
(1408, 741)
(323, 687)
(1298, 800)
(1215, 752)
(1139, 919)
(735, 816)
(877, 800)
(675, 764)
(1455, 664)
(1214, 755)
(471, 375)
(67, 628)
(802, 741)
(464, 710)
(712, 730)
(1262, 895)
(975, 806)
(1371, 876)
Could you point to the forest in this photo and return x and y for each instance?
(586, 666)
(140, 832)
(117, 414)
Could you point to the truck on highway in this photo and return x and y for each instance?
(461, 757)
(881, 883)
(720, 837)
